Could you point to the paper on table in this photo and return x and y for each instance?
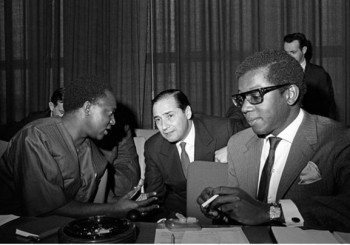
(215, 235)
(7, 218)
(297, 235)
(342, 237)
(206, 235)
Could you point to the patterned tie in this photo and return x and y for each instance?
(266, 173)
(185, 160)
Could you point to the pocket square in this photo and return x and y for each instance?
(310, 174)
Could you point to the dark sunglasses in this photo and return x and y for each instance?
(255, 96)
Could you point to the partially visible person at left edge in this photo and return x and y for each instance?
(290, 167)
(52, 166)
(55, 108)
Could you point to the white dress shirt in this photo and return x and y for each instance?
(281, 155)
(189, 140)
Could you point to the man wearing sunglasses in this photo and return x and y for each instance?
(289, 167)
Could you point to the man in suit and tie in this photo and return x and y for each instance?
(319, 98)
(289, 167)
(182, 138)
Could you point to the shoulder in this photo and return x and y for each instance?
(155, 141)
(211, 123)
(242, 137)
(313, 68)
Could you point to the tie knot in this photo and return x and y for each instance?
(183, 144)
(274, 142)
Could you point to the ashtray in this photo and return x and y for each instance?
(98, 229)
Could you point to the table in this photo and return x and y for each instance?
(146, 231)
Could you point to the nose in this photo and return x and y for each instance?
(112, 121)
(246, 106)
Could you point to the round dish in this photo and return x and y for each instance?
(98, 229)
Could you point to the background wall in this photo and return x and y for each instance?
(145, 46)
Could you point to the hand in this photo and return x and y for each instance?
(125, 204)
(239, 205)
(221, 155)
(207, 211)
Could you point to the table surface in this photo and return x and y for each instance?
(146, 231)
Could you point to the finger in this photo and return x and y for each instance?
(225, 190)
(146, 202)
(147, 209)
(150, 194)
(227, 199)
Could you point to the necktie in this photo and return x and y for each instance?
(185, 160)
(266, 173)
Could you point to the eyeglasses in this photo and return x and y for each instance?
(255, 96)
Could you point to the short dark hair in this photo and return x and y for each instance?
(84, 89)
(57, 96)
(281, 68)
(303, 42)
(178, 95)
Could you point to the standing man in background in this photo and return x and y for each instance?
(319, 98)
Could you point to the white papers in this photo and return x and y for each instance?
(297, 235)
(206, 235)
(342, 237)
(7, 218)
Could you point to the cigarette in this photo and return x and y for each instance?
(207, 202)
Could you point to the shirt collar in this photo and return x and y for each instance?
(190, 137)
(290, 131)
(303, 64)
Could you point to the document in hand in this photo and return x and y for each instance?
(297, 235)
(206, 235)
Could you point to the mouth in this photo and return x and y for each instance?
(252, 121)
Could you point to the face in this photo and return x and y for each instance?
(293, 49)
(173, 123)
(271, 115)
(56, 110)
(101, 116)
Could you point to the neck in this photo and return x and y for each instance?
(72, 123)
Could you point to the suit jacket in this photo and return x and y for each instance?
(324, 204)
(163, 165)
(319, 98)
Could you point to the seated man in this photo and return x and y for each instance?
(290, 167)
(52, 166)
(55, 109)
(166, 167)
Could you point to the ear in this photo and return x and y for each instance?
(86, 108)
(304, 49)
(51, 106)
(292, 94)
(188, 112)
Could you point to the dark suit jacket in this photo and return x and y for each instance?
(319, 98)
(324, 204)
(163, 166)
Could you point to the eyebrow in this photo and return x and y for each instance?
(166, 113)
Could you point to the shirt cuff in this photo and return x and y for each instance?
(291, 213)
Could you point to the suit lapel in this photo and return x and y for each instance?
(204, 143)
(300, 153)
(170, 159)
(250, 171)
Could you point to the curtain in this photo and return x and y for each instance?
(30, 56)
(145, 46)
(199, 43)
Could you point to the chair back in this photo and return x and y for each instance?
(3, 146)
(202, 174)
